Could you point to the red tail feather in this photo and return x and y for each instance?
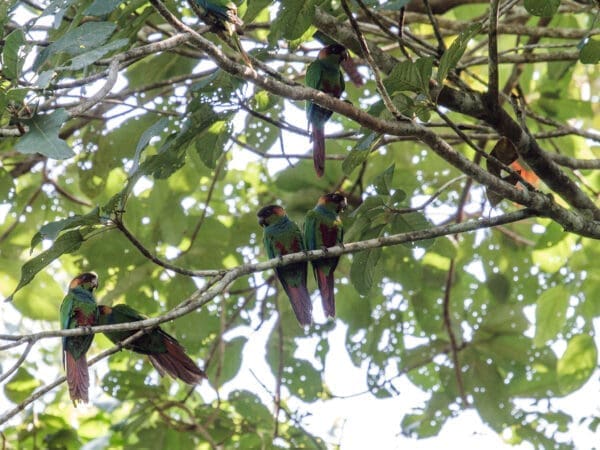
(318, 138)
(301, 304)
(325, 283)
(78, 378)
(176, 363)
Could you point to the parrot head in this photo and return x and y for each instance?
(270, 214)
(87, 281)
(335, 51)
(335, 200)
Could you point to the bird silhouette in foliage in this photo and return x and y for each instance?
(78, 309)
(164, 352)
(222, 16)
(325, 75)
(323, 228)
(281, 237)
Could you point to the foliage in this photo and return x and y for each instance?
(177, 153)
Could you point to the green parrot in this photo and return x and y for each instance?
(323, 228)
(222, 15)
(281, 237)
(162, 349)
(324, 74)
(78, 309)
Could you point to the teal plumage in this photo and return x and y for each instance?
(325, 75)
(78, 309)
(222, 15)
(281, 237)
(163, 350)
(323, 228)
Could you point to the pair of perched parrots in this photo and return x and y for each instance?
(323, 74)
(322, 228)
(79, 309)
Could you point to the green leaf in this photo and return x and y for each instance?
(249, 406)
(6, 185)
(410, 76)
(155, 130)
(102, 7)
(590, 52)
(43, 136)
(21, 385)
(383, 181)
(230, 362)
(452, 55)
(211, 143)
(254, 9)
(362, 272)
(11, 62)
(293, 19)
(79, 40)
(67, 243)
(505, 318)
(550, 314)
(51, 230)
(360, 152)
(499, 286)
(542, 8)
(407, 222)
(87, 58)
(578, 363)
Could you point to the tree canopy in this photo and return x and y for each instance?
(137, 142)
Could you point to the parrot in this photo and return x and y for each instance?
(325, 75)
(323, 228)
(222, 15)
(349, 64)
(78, 309)
(162, 349)
(282, 236)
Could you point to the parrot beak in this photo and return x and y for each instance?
(262, 221)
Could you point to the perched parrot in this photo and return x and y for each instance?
(282, 236)
(163, 350)
(322, 229)
(349, 64)
(324, 74)
(78, 309)
(222, 15)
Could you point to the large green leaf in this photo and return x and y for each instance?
(66, 243)
(550, 314)
(452, 55)
(43, 136)
(578, 363)
(543, 8)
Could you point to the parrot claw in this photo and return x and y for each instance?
(324, 249)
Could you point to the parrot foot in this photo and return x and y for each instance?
(324, 249)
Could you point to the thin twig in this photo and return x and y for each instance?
(159, 262)
(493, 90)
(389, 104)
(111, 79)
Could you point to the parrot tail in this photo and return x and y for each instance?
(301, 304)
(318, 138)
(176, 363)
(78, 378)
(325, 282)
